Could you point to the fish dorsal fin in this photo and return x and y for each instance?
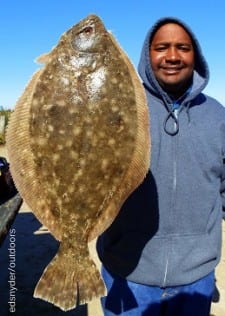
(22, 161)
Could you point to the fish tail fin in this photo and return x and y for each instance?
(90, 283)
(66, 287)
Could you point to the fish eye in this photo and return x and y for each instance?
(84, 39)
(88, 30)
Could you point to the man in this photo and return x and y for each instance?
(160, 253)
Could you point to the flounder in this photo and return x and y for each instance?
(78, 143)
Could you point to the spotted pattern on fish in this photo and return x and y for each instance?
(79, 144)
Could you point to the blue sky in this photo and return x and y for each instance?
(30, 28)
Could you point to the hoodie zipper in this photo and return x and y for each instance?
(174, 187)
(175, 157)
(176, 112)
(166, 270)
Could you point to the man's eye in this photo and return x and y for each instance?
(160, 48)
(184, 48)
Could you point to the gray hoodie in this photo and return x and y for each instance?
(168, 231)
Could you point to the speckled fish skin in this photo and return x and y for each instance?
(79, 144)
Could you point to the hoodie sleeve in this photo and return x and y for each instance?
(222, 188)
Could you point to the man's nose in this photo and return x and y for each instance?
(172, 54)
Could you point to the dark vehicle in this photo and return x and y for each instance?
(7, 187)
(10, 200)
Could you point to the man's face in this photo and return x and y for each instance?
(172, 58)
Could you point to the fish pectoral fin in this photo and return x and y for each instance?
(68, 285)
(43, 59)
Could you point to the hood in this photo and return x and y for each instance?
(201, 72)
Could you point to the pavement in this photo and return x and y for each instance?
(26, 251)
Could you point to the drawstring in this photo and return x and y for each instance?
(172, 115)
(176, 129)
(188, 112)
